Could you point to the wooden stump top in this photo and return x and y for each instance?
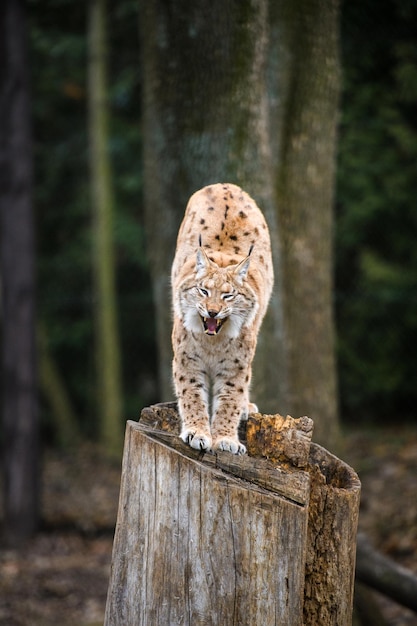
(278, 449)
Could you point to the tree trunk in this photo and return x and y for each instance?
(20, 458)
(219, 539)
(304, 110)
(107, 337)
(246, 92)
(205, 121)
(55, 392)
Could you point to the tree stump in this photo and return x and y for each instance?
(222, 540)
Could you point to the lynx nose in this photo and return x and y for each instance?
(212, 313)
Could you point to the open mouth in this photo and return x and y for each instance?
(212, 325)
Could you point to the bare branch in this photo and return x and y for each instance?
(383, 574)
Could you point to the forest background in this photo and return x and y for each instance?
(375, 255)
(375, 269)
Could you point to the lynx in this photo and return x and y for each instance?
(222, 280)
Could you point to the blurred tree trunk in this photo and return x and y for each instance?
(107, 337)
(20, 457)
(55, 393)
(205, 121)
(304, 112)
(246, 92)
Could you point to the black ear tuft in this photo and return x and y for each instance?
(199, 240)
(250, 249)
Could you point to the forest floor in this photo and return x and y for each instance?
(61, 576)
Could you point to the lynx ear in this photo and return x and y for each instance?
(241, 270)
(202, 262)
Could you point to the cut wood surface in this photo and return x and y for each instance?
(163, 425)
(218, 539)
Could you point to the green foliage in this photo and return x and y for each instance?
(62, 199)
(376, 218)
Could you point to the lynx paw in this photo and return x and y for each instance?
(229, 444)
(196, 439)
(252, 408)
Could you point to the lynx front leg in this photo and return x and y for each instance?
(230, 402)
(192, 395)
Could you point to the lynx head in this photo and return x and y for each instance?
(218, 299)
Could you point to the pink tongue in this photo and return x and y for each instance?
(211, 324)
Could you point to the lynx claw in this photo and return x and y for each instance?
(228, 444)
(197, 440)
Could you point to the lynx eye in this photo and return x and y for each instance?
(203, 292)
(228, 296)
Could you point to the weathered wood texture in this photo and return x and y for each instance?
(331, 540)
(216, 539)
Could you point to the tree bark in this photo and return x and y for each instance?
(247, 92)
(304, 113)
(205, 120)
(332, 527)
(219, 539)
(20, 458)
(107, 337)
